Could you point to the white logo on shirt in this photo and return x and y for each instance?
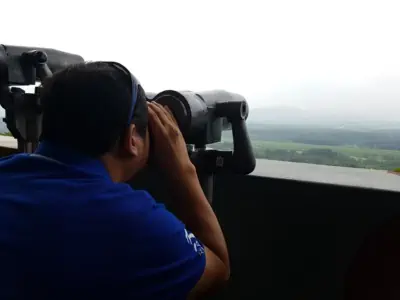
(191, 239)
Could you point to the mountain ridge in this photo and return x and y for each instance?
(293, 116)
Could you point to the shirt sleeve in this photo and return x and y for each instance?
(166, 258)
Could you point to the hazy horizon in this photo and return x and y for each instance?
(331, 56)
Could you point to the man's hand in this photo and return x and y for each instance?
(168, 143)
(191, 205)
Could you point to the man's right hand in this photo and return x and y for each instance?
(191, 205)
(168, 143)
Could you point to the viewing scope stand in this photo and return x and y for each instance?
(24, 66)
(201, 116)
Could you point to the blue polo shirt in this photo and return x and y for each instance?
(68, 232)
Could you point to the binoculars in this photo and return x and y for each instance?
(201, 116)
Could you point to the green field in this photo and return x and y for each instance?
(6, 134)
(349, 150)
(349, 156)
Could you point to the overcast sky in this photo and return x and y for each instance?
(312, 54)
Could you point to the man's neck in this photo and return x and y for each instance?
(114, 168)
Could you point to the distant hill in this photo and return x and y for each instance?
(292, 116)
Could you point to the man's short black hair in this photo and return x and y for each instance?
(86, 107)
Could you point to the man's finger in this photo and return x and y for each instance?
(154, 121)
(171, 115)
(169, 122)
(161, 113)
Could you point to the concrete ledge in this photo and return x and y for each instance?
(8, 142)
(8, 145)
(365, 178)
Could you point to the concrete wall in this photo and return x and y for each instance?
(296, 240)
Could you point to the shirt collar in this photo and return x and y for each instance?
(71, 157)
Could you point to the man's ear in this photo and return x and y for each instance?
(130, 141)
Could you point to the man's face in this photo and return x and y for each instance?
(143, 150)
(139, 150)
(130, 157)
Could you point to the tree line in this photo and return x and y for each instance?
(379, 139)
(378, 149)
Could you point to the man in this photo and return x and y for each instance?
(70, 228)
